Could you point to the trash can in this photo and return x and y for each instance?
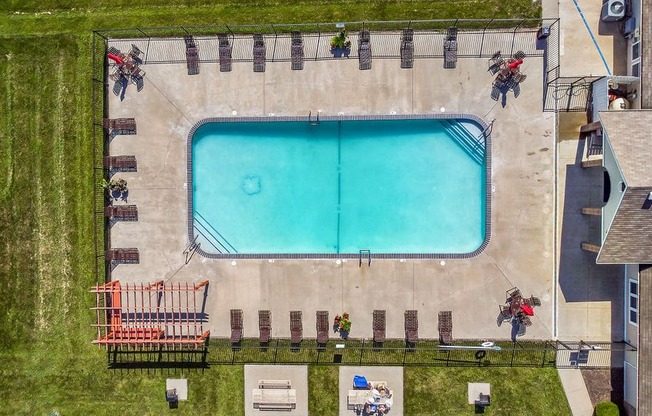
(543, 33)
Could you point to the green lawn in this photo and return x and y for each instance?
(47, 257)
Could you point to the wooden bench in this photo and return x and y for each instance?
(273, 399)
(274, 384)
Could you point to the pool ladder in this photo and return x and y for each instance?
(365, 253)
(311, 121)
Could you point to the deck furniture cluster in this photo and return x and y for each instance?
(192, 55)
(517, 310)
(507, 72)
(364, 50)
(127, 68)
(274, 395)
(225, 52)
(260, 53)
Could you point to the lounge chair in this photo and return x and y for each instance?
(445, 327)
(135, 54)
(260, 53)
(192, 60)
(296, 51)
(364, 50)
(236, 326)
(407, 48)
(296, 327)
(137, 78)
(120, 125)
(379, 324)
(411, 327)
(512, 293)
(450, 48)
(121, 212)
(120, 164)
(322, 327)
(264, 326)
(117, 86)
(122, 256)
(517, 90)
(225, 51)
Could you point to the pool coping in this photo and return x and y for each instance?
(486, 132)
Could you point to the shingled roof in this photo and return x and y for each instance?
(629, 239)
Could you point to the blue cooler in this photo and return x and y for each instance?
(359, 382)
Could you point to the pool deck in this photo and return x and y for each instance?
(521, 252)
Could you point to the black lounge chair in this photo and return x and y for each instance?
(225, 51)
(407, 48)
(296, 51)
(264, 326)
(122, 256)
(450, 48)
(260, 53)
(296, 327)
(411, 327)
(364, 50)
(322, 326)
(121, 212)
(379, 324)
(445, 327)
(236, 326)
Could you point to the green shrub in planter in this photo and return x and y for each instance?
(607, 409)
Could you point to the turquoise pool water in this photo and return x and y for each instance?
(289, 187)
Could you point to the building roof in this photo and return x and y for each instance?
(629, 239)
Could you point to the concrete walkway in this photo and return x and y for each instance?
(576, 392)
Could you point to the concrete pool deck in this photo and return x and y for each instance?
(521, 252)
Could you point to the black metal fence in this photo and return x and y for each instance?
(354, 352)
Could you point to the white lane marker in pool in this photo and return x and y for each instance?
(442, 109)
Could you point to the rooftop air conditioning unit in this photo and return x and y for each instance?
(613, 10)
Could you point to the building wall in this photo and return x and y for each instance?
(631, 330)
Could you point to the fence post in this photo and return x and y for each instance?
(545, 351)
(276, 351)
(361, 352)
(511, 364)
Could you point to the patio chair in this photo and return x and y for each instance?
(135, 54)
(264, 326)
(495, 65)
(122, 256)
(445, 327)
(516, 89)
(137, 78)
(535, 301)
(411, 327)
(120, 164)
(379, 325)
(225, 51)
(260, 53)
(296, 327)
(450, 48)
(236, 326)
(322, 326)
(519, 55)
(364, 50)
(121, 212)
(296, 51)
(407, 48)
(526, 321)
(512, 293)
(113, 51)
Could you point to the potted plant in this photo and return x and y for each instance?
(115, 187)
(340, 43)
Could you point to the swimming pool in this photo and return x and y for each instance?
(405, 187)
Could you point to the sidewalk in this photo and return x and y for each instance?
(576, 392)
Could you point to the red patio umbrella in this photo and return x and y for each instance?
(527, 310)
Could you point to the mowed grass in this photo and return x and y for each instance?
(46, 197)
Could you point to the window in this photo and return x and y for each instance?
(633, 302)
(636, 58)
